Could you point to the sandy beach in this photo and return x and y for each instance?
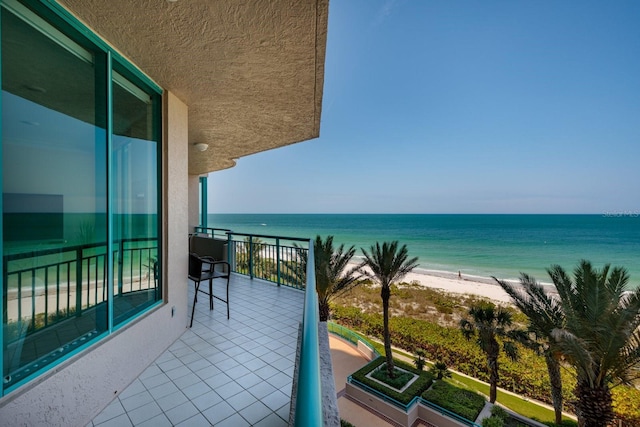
(463, 284)
(450, 282)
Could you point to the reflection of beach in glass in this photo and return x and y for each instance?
(48, 290)
(54, 164)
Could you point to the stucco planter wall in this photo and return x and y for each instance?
(405, 418)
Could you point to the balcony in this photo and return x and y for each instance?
(252, 369)
(235, 372)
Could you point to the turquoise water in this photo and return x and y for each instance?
(480, 245)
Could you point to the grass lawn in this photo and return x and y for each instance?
(516, 404)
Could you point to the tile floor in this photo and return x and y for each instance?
(221, 372)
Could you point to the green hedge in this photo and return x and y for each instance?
(463, 402)
(447, 344)
(415, 389)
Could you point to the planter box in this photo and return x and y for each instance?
(403, 417)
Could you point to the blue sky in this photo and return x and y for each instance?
(462, 107)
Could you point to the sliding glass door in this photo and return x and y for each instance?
(80, 140)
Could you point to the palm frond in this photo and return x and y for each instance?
(576, 350)
(511, 350)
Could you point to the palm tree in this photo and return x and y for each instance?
(333, 277)
(248, 255)
(600, 337)
(440, 370)
(386, 265)
(545, 314)
(487, 323)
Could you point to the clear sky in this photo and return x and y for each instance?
(463, 107)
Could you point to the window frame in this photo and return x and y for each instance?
(52, 19)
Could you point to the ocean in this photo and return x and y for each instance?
(476, 245)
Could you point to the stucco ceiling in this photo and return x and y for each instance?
(250, 71)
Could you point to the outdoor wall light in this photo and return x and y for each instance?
(201, 146)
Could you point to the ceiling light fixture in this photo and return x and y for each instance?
(201, 146)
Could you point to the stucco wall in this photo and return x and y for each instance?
(194, 201)
(408, 418)
(78, 389)
(330, 411)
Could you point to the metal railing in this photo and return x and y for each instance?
(308, 410)
(350, 336)
(212, 232)
(45, 287)
(276, 259)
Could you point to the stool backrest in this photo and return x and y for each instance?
(195, 266)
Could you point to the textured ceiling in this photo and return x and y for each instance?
(250, 71)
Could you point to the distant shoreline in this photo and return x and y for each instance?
(481, 245)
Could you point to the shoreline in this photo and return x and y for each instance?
(464, 284)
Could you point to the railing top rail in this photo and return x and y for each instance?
(198, 227)
(63, 248)
(309, 394)
(269, 236)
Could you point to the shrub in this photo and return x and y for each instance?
(493, 421)
(498, 412)
(440, 371)
(400, 380)
(419, 361)
(463, 402)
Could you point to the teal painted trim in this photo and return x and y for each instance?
(157, 127)
(309, 394)
(251, 257)
(278, 261)
(109, 149)
(230, 250)
(59, 16)
(204, 201)
(138, 315)
(2, 391)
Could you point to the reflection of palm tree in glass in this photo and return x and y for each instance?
(86, 232)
